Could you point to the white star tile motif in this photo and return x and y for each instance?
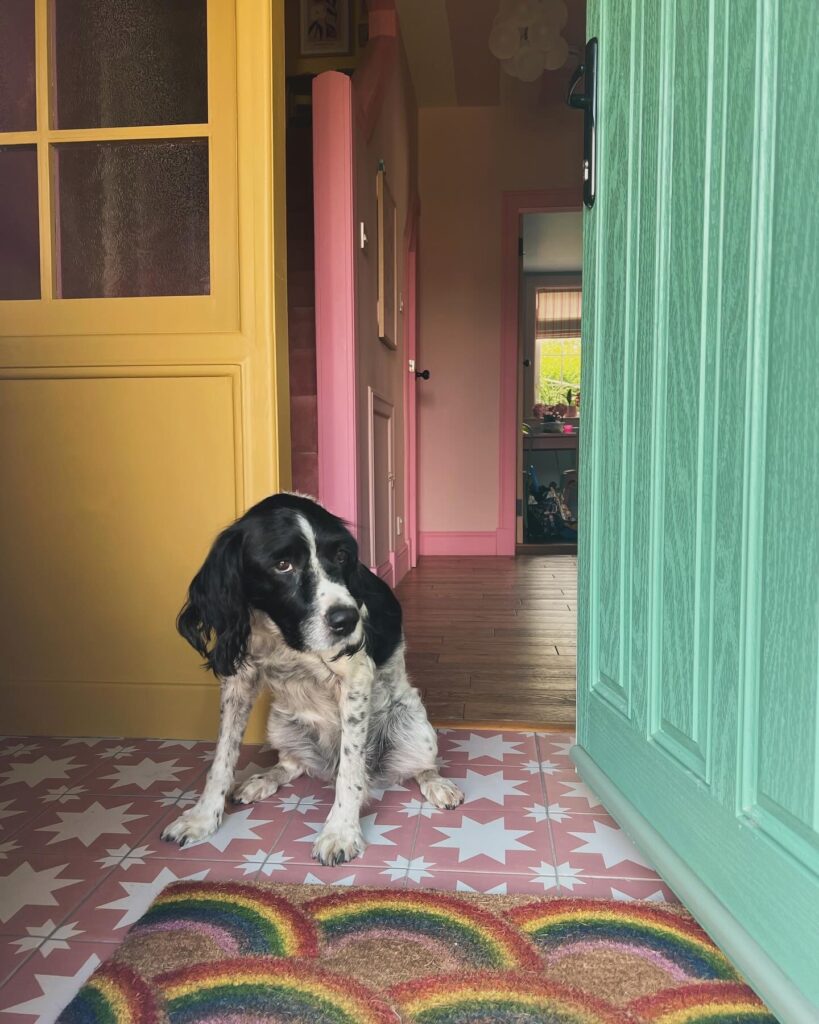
(87, 826)
(495, 890)
(402, 867)
(140, 895)
(7, 848)
(418, 809)
(495, 747)
(546, 874)
(119, 751)
(186, 744)
(144, 774)
(85, 741)
(125, 856)
(234, 826)
(311, 879)
(252, 862)
(180, 797)
(494, 787)
(5, 809)
(63, 794)
(562, 746)
(577, 790)
(275, 862)
(654, 897)
(374, 835)
(57, 991)
(540, 813)
(302, 804)
(547, 767)
(19, 749)
(569, 876)
(45, 938)
(489, 839)
(32, 773)
(28, 887)
(612, 844)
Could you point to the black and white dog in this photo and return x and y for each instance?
(283, 600)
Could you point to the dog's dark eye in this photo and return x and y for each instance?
(283, 565)
(342, 557)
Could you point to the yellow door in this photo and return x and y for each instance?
(143, 372)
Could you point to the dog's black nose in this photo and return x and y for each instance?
(342, 619)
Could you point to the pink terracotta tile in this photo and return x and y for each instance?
(16, 812)
(482, 840)
(568, 791)
(618, 888)
(393, 876)
(244, 831)
(498, 883)
(554, 748)
(36, 887)
(142, 770)
(127, 892)
(387, 832)
(483, 746)
(594, 844)
(90, 825)
(40, 767)
(40, 989)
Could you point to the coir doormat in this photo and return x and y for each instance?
(251, 953)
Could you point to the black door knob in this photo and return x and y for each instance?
(423, 374)
(527, 363)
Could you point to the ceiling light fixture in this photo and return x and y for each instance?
(526, 37)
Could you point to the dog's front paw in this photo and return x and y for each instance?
(257, 787)
(442, 793)
(336, 844)
(191, 827)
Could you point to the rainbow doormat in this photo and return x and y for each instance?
(251, 953)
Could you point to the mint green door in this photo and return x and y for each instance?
(698, 717)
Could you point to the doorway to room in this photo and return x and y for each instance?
(550, 292)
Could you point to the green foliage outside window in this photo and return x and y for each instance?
(559, 369)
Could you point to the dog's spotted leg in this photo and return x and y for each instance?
(259, 787)
(341, 838)
(202, 820)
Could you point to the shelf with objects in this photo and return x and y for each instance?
(550, 463)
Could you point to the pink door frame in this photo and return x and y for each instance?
(336, 363)
(410, 382)
(557, 200)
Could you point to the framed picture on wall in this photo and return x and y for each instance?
(387, 264)
(325, 27)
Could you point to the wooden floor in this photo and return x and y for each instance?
(493, 639)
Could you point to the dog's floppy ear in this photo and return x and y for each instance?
(215, 619)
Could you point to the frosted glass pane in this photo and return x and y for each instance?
(129, 62)
(17, 105)
(19, 224)
(132, 218)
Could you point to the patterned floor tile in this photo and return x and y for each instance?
(43, 986)
(91, 825)
(594, 844)
(387, 832)
(484, 746)
(345, 874)
(34, 888)
(611, 888)
(482, 840)
(566, 789)
(37, 768)
(244, 831)
(146, 770)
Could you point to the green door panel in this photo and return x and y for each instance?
(698, 666)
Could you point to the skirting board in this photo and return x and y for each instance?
(765, 976)
(433, 542)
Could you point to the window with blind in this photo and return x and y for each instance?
(557, 344)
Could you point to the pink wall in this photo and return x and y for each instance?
(382, 123)
(468, 158)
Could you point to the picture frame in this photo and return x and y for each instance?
(387, 263)
(325, 28)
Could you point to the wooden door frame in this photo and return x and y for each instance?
(556, 200)
(410, 383)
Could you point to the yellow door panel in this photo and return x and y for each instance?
(135, 422)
